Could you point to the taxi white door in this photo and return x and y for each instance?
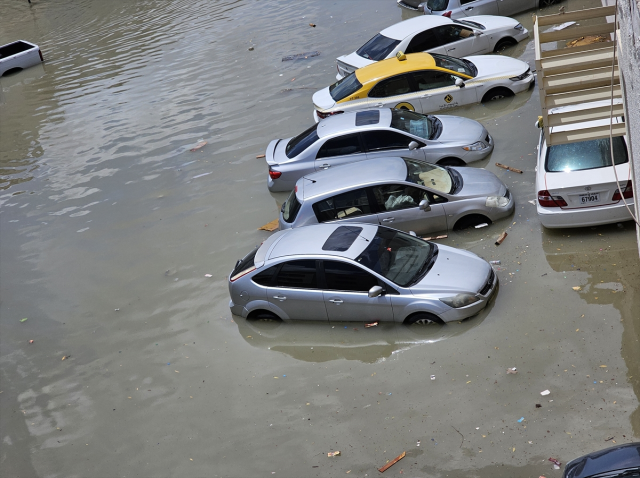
(438, 91)
(395, 92)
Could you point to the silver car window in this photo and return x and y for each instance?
(265, 277)
(298, 274)
(340, 146)
(291, 207)
(397, 256)
(346, 205)
(394, 197)
(437, 5)
(381, 140)
(347, 277)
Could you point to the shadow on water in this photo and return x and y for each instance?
(327, 341)
(608, 258)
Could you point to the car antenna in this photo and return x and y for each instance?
(312, 180)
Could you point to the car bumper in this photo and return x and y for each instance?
(315, 116)
(592, 216)
(280, 185)
(238, 309)
(521, 36)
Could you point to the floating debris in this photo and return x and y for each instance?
(299, 56)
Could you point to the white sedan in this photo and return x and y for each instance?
(471, 36)
(576, 182)
(464, 8)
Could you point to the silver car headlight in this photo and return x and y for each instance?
(477, 146)
(495, 201)
(460, 300)
(519, 27)
(521, 77)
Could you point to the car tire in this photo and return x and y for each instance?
(497, 94)
(261, 314)
(423, 318)
(451, 162)
(470, 220)
(504, 43)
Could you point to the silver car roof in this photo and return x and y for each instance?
(347, 122)
(309, 240)
(352, 175)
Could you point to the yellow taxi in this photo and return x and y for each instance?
(424, 83)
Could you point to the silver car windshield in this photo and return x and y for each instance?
(424, 126)
(430, 175)
(399, 257)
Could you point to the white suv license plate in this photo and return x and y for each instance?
(589, 198)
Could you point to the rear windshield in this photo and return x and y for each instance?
(437, 5)
(585, 155)
(377, 48)
(455, 64)
(291, 208)
(301, 142)
(344, 87)
(416, 124)
(245, 263)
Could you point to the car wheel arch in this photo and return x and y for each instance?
(422, 315)
(504, 42)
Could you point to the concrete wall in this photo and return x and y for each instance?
(629, 61)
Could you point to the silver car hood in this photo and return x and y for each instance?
(495, 66)
(480, 182)
(456, 129)
(323, 100)
(446, 276)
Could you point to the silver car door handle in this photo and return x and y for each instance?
(389, 219)
(450, 49)
(326, 166)
(280, 297)
(469, 8)
(426, 95)
(379, 105)
(336, 301)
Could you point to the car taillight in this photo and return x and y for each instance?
(447, 14)
(274, 174)
(40, 53)
(545, 199)
(242, 273)
(325, 115)
(627, 192)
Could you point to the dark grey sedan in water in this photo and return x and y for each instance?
(359, 272)
(399, 192)
(354, 136)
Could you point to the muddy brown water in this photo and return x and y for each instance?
(108, 225)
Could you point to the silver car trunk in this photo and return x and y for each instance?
(323, 100)
(445, 275)
(598, 192)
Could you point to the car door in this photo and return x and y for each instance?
(391, 143)
(464, 42)
(350, 206)
(479, 7)
(395, 92)
(340, 150)
(296, 291)
(398, 206)
(438, 91)
(346, 294)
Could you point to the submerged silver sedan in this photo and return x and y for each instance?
(359, 272)
(400, 192)
(354, 136)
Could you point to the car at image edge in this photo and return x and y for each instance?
(359, 272)
(434, 34)
(463, 8)
(403, 193)
(354, 136)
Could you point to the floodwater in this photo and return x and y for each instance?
(109, 223)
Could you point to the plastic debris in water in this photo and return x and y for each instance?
(24, 320)
(545, 392)
(433, 377)
(333, 453)
(521, 420)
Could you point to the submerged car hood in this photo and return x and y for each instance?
(456, 129)
(492, 22)
(493, 66)
(323, 100)
(355, 60)
(480, 182)
(455, 271)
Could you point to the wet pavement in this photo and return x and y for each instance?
(109, 223)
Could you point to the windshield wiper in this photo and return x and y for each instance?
(426, 267)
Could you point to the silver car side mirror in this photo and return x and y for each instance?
(375, 291)
(424, 205)
(459, 83)
(477, 32)
(413, 233)
(413, 145)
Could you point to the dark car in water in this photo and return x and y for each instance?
(622, 461)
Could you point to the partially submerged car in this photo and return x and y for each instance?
(464, 8)
(424, 83)
(354, 136)
(18, 55)
(576, 182)
(406, 194)
(621, 461)
(359, 272)
(433, 34)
